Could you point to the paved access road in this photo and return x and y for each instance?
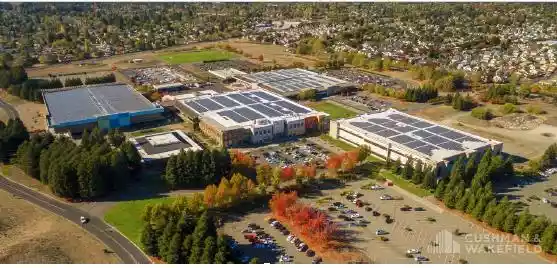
(10, 110)
(119, 244)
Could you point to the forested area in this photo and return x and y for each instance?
(86, 171)
(183, 232)
(197, 169)
(11, 136)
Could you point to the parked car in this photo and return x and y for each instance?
(290, 238)
(386, 197)
(355, 215)
(369, 209)
(377, 187)
(380, 232)
(271, 220)
(420, 258)
(419, 209)
(413, 251)
(406, 208)
(317, 260)
(359, 203)
(310, 253)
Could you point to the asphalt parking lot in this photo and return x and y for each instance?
(264, 254)
(534, 194)
(436, 239)
(291, 154)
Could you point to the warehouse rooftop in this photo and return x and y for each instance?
(242, 108)
(91, 101)
(291, 81)
(424, 137)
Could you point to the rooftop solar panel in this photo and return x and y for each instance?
(396, 116)
(233, 116)
(452, 135)
(402, 139)
(292, 107)
(248, 113)
(374, 128)
(438, 130)
(266, 110)
(421, 124)
(209, 104)
(378, 120)
(265, 96)
(360, 124)
(468, 138)
(390, 124)
(404, 129)
(225, 101)
(415, 144)
(386, 133)
(196, 107)
(435, 140)
(451, 146)
(426, 149)
(422, 133)
(242, 99)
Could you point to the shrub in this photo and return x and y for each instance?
(533, 109)
(509, 108)
(481, 113)
(462, 261)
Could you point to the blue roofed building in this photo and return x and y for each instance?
(105, 106)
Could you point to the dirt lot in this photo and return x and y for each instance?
(421, 232)
(271, 52)
(32, 114)
(31, 235)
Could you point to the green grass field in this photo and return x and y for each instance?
(126, 216)
(404, 184)
(335, 111)
(195, 56)
(338, 143)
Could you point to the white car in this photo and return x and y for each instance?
(386, 197)
(413, 251)
(377, 187)
(355, 201)
(380, 232)
(290, 237)
(355, 215)
(545, 200)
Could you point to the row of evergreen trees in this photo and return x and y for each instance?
(420, 94)
(418, 173)
(31, 89)
(109, 78)
(469, 189)
(183, 232)
(11, 136)
(460, 103)
(11, 75)
(86, 171)
(197, 169)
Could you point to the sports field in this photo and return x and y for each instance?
(335, 111)
(195, 56)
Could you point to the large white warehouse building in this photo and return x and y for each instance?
(396, 135)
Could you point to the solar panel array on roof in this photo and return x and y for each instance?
(209, 104)
(415, 133)
(241, 99)
(266, 110)
(246, 106)
(292, 80)
(233, 116)
(225, 101)
(248, 113)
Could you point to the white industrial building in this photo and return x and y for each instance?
(163, 145)
(253, 116)
(395, 135)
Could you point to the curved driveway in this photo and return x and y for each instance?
(119, 244)
(10, 110)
